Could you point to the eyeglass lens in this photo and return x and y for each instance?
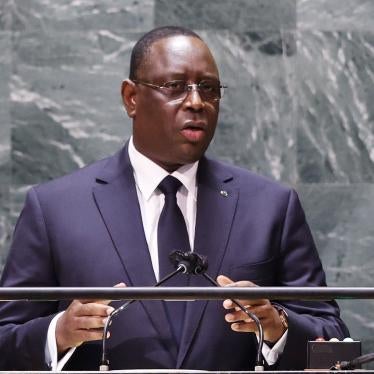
(208, 89)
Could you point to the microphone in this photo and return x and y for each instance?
(199, 266)
(191, 261)
(184, 262)
(195, 264)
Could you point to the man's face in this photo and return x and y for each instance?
(174, 132)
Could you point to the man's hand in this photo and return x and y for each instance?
(81, 322)
(262, 308)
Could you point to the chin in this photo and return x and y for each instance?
(193, 154)
(191, 159)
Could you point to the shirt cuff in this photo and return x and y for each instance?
(51, 355)
(271, 355)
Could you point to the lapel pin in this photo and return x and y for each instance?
(224, 193)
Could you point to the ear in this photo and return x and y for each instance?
(128, 93)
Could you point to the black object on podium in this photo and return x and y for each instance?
(325, 354)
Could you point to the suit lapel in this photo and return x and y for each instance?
(116, 198)
(216, 204)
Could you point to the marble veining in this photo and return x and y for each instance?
(335, 112)
(335, 14)
(5, 142)
(237, 15)
(298, 108)
(251, 115)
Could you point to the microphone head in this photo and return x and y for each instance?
(192, 262)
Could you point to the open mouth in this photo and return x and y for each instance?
(194, 130)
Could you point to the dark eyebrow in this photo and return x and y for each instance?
(183, 77)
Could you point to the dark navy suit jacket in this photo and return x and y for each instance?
(85, 230)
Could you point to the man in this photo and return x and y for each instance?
(101, 226)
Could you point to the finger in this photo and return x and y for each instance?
(244, 326)
(237, 317)
(225, 281)
(222, 280)
(94, 309)
(106, 302)
(120, 285)
(240, 315)
(87, 323)
(230, 304)
(88, 301)
(242, 283)
(262, 311)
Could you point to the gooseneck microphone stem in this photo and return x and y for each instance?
(187, 263)
(104, 366)
(259, 361)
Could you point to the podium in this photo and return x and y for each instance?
(185, 293)
(170, 371)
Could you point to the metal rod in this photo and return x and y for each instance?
(184, 293)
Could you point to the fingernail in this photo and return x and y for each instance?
(109, 311)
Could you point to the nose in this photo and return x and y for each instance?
(193, 99)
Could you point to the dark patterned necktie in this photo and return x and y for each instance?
(172, 235)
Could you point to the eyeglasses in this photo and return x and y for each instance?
(209, 89)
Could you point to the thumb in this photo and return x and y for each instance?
(106, 302)
(223, 281)
(120, 285)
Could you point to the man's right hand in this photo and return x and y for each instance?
(81, 322)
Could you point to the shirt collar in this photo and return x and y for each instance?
(148, 174)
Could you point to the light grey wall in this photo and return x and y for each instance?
(299, 108)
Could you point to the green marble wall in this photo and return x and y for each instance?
(301, 78)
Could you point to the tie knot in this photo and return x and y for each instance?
(169, 185)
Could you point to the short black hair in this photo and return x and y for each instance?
(143, 45)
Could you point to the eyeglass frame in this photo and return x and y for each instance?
(190, 87)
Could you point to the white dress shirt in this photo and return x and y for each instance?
(147, 176)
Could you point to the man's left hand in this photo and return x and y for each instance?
(262, 308)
